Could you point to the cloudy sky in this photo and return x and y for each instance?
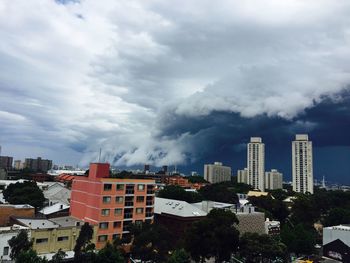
(175, 82)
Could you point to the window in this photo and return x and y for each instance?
(103, 225)
(138, 222)
(119, 199)
(106, 199)
(116, 236)
(117, 224)
(139, 210)
(118, 211)
(102, 238)
(105, 212)
(6, 251)
(140, 187)
(41, 240)
(64, 238)
(107, 187)
(140, 199)
(120, 187)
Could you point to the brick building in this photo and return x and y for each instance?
(111, 203)
(6, 211)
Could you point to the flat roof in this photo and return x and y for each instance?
(176, 208)
(37, 223)
(67, 221)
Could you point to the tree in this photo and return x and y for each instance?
(275, 208)
(109, 254)
(196, 179)
(19, 244)
(26, 192)
(219, 193)
(304, 210)
(83, 247)
(58, 257)
(337, 216)
(262, 248)
(299, 239)
(178, 193)
(30, 256)
(179, 256)
(150, 242)
(214, 236)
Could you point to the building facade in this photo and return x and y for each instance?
(242, 176)
(111, 203)
(7, 210)
(256, 163)
(302, 167)
(37, 164)
(336, 242)
(217, 173)
(6, 233)
(18, 165)
(273, 180)
(6, 162)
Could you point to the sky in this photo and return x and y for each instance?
(176, 82)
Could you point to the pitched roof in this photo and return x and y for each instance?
(54, 208)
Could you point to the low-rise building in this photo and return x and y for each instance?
(272, 227)
(55, 210)
(51, 235)
(6, 233)
(217, 173)
(336, 242)
(7, 210)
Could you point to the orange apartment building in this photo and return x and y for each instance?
(111, 203)
(183, 182)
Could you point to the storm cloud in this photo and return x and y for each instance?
(177, 82)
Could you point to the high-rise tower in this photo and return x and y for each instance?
(302, 171)
(256, 163)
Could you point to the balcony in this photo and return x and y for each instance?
(129, 191)
(149, 203)
(149, 214)
(150, 192)
(129, 204)
(127, 215)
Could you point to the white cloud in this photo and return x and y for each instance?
(94, 73)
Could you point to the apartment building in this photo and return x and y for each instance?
(256, 163)
(37, 164)
(302, 167)
(273, 180)
(242, 176)
(6, 162)
(217, 173)
(111, 203)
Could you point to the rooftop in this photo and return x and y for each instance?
(36, 223)
(54, 208)
(67, 221)
(176, 208)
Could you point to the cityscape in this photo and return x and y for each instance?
(174, 132)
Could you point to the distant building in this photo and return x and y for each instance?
(37, 165)
(111, 203)
(217, 173)
(18, 165)
(273, 180)
(302, 170)
(256, 163)
(336, 242)
(242, 176)
(6, 162)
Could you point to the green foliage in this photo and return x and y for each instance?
(179, 256)
(58, 257)
(196, 179)
(214, 236)
(262, 248)
(219, 192)
(150, 242)
(299, 239)
(178, 193)
(24, 193)
(83, 250)
(30, 256)
(273, 207)
(279, 194)
(337, 216)
(19, 243)
(109, 254)
(304, 210)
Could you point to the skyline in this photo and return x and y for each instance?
(184, 84)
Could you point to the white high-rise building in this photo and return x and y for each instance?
(217, 173)
(256, 163)
(302, 171)
(273, 180)
(242, 176)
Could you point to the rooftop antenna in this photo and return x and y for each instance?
(99, 156)
(323, 183)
